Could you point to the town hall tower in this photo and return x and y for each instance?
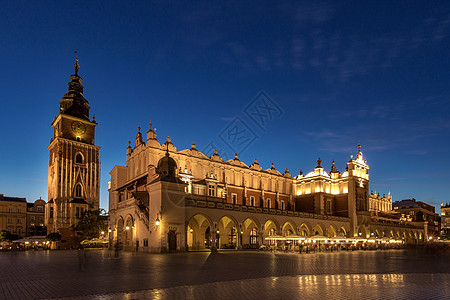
(74, 166)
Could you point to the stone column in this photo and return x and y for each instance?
(213, 244)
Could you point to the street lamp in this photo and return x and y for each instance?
(157, 221)
(127, 228)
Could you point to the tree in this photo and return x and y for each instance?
(91, 224)
(8, 236)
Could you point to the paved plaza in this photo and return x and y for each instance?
(97, 274)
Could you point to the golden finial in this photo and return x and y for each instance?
(76, 65)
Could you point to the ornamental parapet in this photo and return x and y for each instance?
(195, 202)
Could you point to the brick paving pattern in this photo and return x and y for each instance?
(96, 274)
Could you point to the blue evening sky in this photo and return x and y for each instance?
(374, 72)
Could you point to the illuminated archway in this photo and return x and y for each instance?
(271, 227)
(227, 233)
(331, 232)
(305, 230)
(199, 232)
(319, 229)
(288, 228)
(250, 233)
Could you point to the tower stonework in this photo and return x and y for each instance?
(74, 166)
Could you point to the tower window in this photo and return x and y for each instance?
(78, 190)
(79, 158)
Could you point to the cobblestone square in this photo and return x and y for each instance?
(97, 274)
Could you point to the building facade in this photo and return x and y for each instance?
(380, 204)
(74, 165)
(445, 216)
(13, 215)
(22, 218)
(36, 218)
(165, 199)
(417, 211)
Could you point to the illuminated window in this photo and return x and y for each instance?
(253, 236)
(211, 191)
(232, 237)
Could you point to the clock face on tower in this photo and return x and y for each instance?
(78, 127)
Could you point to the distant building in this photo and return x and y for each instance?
(22, 218)
(36, 218)
(445, 216)
(412, 210)
(380, 204)
(13, 215)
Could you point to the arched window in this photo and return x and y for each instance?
(253, 236)
(79, 158)
(78, 190)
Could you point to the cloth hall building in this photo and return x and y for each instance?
(166, 199)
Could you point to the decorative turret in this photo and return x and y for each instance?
(129, 150)
(138, 137)
(319, 161)
(216, 156)
(287, 174)
(73, 103)
(333, 168)
(255, 166)
(151, 134)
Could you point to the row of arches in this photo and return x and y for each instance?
(227, 233)
(409, 236)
